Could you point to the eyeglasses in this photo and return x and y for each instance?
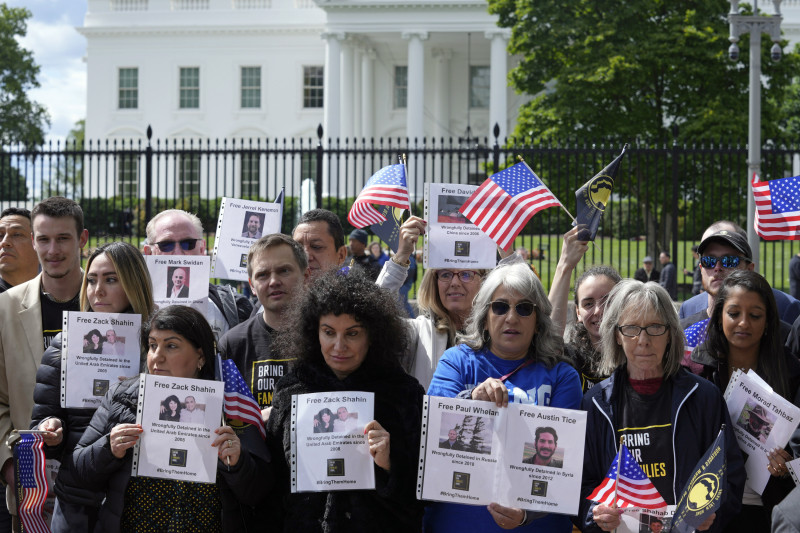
(465, 276)
(186, 245)
(522, 308)
(727, 261)
(654, 330)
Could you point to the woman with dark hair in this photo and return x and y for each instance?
(93, 342)
(116, 280)
(170, 409)
(510, 350)
(180, 344)
(744, 333)
(666, 415)
(347, 336)
(323, 421)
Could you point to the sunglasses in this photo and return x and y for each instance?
(186, 245)
(727, 261)
(465, 276)
(522, 308)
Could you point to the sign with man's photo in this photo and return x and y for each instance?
(180, 280)
(240, 224)
(178, 416)
(521, 456)
(329, 442)
(97, 350)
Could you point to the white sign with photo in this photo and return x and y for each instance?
(451, 240)
(178, 416)
(638, 520)
(180, 280)
(97, 350)
(329, 443)
(240, 224)
(522, 456)
(762, 420)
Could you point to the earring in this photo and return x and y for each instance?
(486, 336)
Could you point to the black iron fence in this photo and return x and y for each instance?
(666, 192)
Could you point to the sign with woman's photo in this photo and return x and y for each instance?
(329, 442)
(97, 349)
(522, 456)
(180, 280)
(240, 224)
(451, 240)
(762, 420)
(179, 416)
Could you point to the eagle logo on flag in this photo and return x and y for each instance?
(600, 191)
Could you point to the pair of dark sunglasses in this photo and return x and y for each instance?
(727, 261)
(185, 244)
(522, 308)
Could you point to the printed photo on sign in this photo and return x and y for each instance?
(186, 410)
(180, 280)
(97, 350)
(329, 441)
(253, 222)
(179, 417)
(178, 286)
(756, 421)
(467, 433)
(544, 451)
(240, 224)
(451, 240)
(638, 520)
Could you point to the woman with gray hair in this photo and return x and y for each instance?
(664, 414)
(510, 353)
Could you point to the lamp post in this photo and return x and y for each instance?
(755, 25)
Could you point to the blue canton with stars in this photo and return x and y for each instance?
(696, 333)
(517, 179)
(630, 469)
(391, 175)
(785, 194)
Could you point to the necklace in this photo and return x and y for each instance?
(57, 300)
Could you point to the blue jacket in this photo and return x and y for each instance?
(698, 412)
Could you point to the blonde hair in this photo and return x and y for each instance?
(431, 304)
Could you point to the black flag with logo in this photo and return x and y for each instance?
(593, 198)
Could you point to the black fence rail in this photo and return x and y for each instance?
(665, 195)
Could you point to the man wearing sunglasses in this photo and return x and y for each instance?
(176, 232)
(729, 240)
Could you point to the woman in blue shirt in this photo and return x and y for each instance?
(510, 353)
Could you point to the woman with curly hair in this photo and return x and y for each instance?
(347, 335)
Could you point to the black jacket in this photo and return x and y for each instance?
(698, 412)
(392, 506)
(246, 484)
(47, 400)
(235, 307)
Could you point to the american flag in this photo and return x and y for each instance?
(32, 492)
(386, 187)
(239, 402)
(634, 488)
(695, 336)
(777, 208)
(504, 203)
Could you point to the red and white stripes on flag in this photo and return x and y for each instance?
(32, 491)
(239, 403)
(386, 187)
(631, 488)
(777, 208)
(504, 203)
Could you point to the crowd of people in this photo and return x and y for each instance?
(325, 321)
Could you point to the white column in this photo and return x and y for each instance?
(367, 93)
(346, 82)
(498, 83)
(441, 111)
(358, 52)
(331, 122)
(415, 104)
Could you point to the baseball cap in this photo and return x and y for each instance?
(359, 235)
(647, 259)
(731, 238)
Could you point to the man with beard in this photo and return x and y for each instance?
(546, 443)
(253, 227)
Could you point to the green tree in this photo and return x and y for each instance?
(649, 72)
(67, 177)
(21, 119)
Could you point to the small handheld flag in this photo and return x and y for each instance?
(593, 198)
(389, 229)
(777, 208)
(703, 493)
(32, 482)
(386, 187)
(279, 200)
(627, 486)
(239, 403)
(504, 203)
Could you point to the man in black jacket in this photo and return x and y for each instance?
(176, 232)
